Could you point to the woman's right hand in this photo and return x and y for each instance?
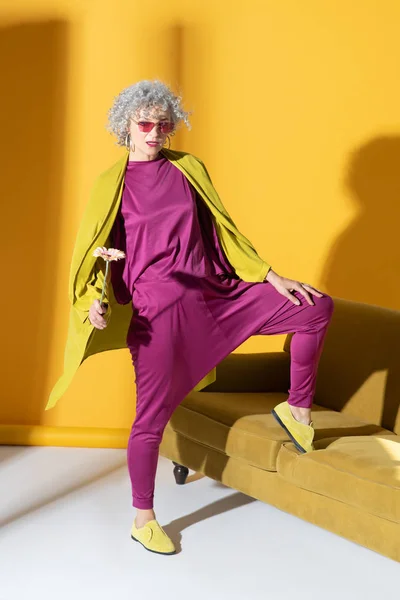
(95, 315)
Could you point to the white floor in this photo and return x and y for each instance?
(65, 516)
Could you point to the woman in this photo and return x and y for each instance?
(195, 295)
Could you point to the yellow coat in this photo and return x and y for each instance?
(87, 272)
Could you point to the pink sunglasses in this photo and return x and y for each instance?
(146, 126)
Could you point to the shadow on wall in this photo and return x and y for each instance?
(364, 262)
(32, 113)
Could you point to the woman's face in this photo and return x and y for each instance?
(148, 144)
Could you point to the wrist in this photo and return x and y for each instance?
(271, 275)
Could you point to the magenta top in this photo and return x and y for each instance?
(164, 228)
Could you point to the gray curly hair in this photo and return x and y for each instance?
(144, 95)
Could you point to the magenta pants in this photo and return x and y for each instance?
(169, 361)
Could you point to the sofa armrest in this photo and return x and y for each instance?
(263, 372)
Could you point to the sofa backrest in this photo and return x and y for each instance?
(262, 372)
(359, 370)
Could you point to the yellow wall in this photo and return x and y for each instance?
(298, 100)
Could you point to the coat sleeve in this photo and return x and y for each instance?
(94, 288)
(87, 272)
(240, 252)
(83, 289)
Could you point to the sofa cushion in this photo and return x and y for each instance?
(361, 471)
(241, 424)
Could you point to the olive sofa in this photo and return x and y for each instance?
(350, 484)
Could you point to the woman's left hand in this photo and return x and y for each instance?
(286, 286)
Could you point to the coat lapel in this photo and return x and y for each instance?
(96, 225)
(239, 251)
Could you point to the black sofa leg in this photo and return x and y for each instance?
(180, 473)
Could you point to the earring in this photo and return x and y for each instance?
(169, 142)
(128, 142)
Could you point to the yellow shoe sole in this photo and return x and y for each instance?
(154, 551)
(295, 442)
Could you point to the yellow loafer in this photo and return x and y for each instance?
(301, 435)
(153, 537)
